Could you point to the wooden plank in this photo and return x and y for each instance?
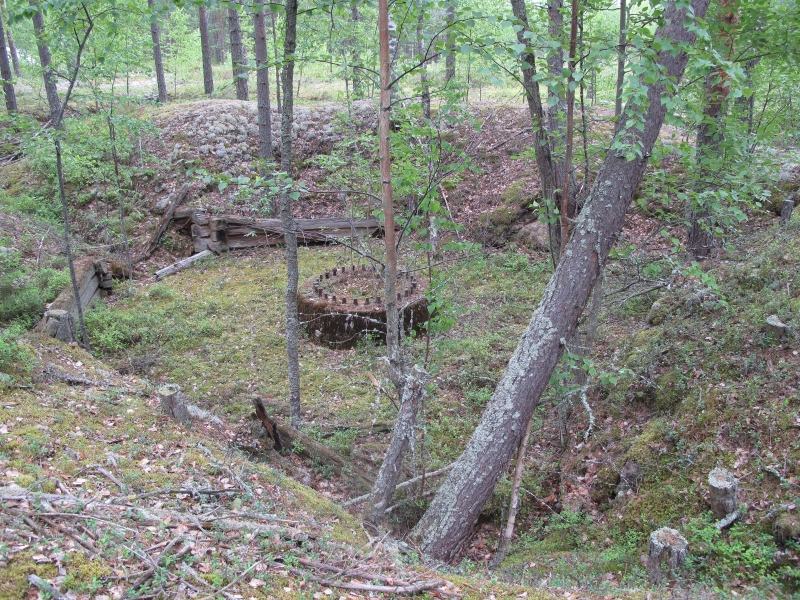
(151, 246)
(182, 264)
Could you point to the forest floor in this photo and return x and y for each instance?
(687, 380)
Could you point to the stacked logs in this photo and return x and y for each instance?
(340, 318)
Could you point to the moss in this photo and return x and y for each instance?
(83, 571)
(25, 481)
(787, 528)
(670, 390)
(14, 577)
(513, 194)
(643, 449)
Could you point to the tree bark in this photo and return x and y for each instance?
(457, 506)
(12, 47)
(262, 83)
(450, 60)
(623, 41)
(5, 73)
(666, 545)
(403, 432)
(290, 235)
(541, 138)
(568, 208)
(700, 238)
(723, 490)
(237, 53)
(422, 50)
(513, 507)
(205, 49)
(47, 71)
(387, 44)
(155, 32)
(277, 68)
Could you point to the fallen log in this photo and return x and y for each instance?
(221, 233)
(182, 264)
(294, 440)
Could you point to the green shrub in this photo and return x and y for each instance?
(23, 294)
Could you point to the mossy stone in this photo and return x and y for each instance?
(787, 528)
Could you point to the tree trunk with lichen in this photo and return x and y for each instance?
(402, 434)
(289, 225)
(454, 511)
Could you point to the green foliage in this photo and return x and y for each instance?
(24, 292)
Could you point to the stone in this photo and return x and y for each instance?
(533, 236)
(775, 327)
(787, 528)
(161, 204)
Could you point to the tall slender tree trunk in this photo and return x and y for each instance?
(277, 68)
(47, 70)
(262, 85)
(623, 41)
(352, 56)
(155, 33)
(237, 53)
(422, 49)
(746, 104)
(289, 226)
(5, 73)
(541, 142)
(567, 207)
(205, 50)
(700, 238)
(388, 48)
(450, 59)
(12, 47)
(456, 508)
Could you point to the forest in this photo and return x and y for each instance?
(372, 298)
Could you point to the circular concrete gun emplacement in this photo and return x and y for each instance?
(344, 304)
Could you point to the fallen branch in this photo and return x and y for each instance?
(182, 264)
(232, 583)
(401, 486)
(412, 589)
(727, 521)
(46, 588)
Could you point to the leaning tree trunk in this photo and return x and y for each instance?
(450, 60)
(237, 53)
(262, 85)
(5, 73)
(456, 508)
(289, 226)
(205, 50)
(155, 32)
(402, 434)
(47, 70)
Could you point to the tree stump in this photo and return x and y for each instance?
(665, 544)
(786, 210)
(173, 403)
(724, 488)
